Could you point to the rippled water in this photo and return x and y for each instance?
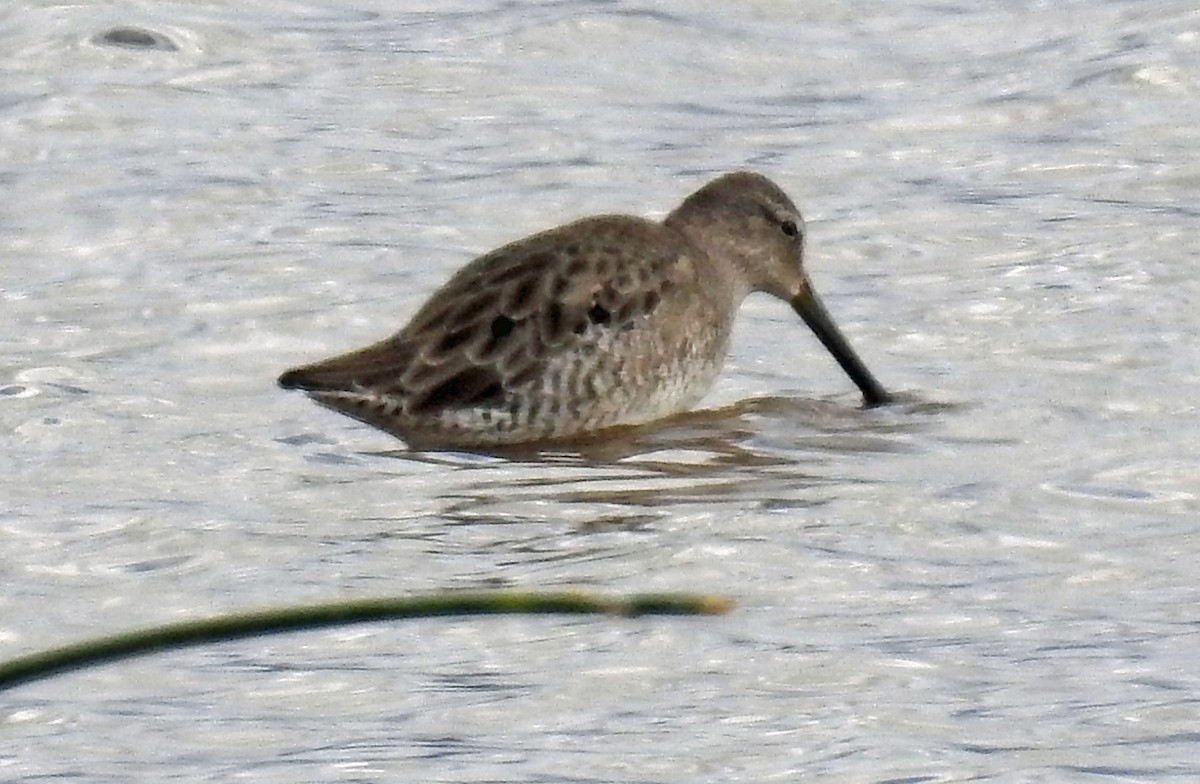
(992, 581)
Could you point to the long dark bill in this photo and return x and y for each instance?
(808, 305)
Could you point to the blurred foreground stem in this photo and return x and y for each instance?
(252, 624)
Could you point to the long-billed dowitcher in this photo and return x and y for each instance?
(610, 320)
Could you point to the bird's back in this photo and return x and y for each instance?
(611, 320)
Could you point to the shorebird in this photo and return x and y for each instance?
(607, 321)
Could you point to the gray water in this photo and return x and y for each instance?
(994, 580)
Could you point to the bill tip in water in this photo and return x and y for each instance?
(877, 398)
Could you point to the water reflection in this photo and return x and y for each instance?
(751, 433)
(768, 453)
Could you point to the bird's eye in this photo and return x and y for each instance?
(790, 228)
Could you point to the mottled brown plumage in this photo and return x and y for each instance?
(610, 320)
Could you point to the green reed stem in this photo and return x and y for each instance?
(88, 653)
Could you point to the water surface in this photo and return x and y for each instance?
(990, 581)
